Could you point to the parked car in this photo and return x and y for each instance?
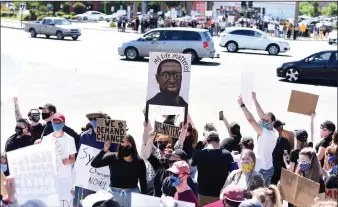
(91, 15)
(321, 65)
(235, 39)
(53, 26)
(194, 41)
(333, 38)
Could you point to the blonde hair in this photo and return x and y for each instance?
(314, 172)
(300, 145)
(251, 154)
(272, 192)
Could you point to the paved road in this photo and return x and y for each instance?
(88, 75)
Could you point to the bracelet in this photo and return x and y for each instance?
(242, 105)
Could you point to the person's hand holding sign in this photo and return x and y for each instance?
(106, 146)
(240, 100)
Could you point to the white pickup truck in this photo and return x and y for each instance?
(53, 26)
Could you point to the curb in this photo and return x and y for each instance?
(9, 27)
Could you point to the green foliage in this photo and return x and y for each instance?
(43, 8)
(59, 14)
(331, 10)
(72, 13)
(316, 9)
(4, 8)
(306, 8)
(7, 14)
(79, 8)
(29, 17)
(67, 16)
(40, 17)
(65, 7)
(16, 5)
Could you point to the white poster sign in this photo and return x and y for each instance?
(208, 13)
(247, 87)
(231, 19)
(173, 14)
(35, 173)
(271, 27)
(85, 175)
(141, 200)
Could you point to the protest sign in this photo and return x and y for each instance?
(141, 200)
(168, 80)
(35, 172)
(331, 194)
(298, 190)
(167, 129)
(85, 175)
(271, 27)
(3, 188)
(110, 130)
(302, 103)
(247, 86)
(231, 19)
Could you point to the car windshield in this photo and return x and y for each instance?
(61, 22)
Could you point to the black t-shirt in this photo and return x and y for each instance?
(37, 131)
(213, 169)
(277, 154)
(294, 156)
(170, 190)
(231, 143)
(323, 143)
(14, 142)
(123, 174)
(160, 167)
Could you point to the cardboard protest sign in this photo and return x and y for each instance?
(247, 87)
(167, 129)
(331, 194)
(35, 172)
(110, 130)
(85, 175)
(168, 81)
(302, 103)
(3, 180)
(298, 190)
(141, 200)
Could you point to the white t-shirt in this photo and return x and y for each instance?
(237, 158)
(265, 146)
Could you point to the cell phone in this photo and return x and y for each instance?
(221, 116)
(285, 152)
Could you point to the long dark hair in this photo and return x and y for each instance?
(134, 154)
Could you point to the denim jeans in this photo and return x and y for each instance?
(80, 194)
(123, 197)
(267, 175)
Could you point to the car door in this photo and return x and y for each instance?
(49, 27)
(240, 37)
(315, 65)
(331, 71)
(171, 41)
(149, 43)
(259, 41)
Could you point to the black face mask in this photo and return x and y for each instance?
(35, 118)
(18, 130)
(126, 151)
(162, 145)
(45, 115)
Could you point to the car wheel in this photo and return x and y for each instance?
(273, 49)
(330, 43)
(47, 36)
(194, 57)
(85, 18)
(75, 38)
(33, 33)
(101, 19)
(131, 53)
(59, 35)
(232, 46)
(292, 75)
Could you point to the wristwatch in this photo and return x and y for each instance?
(242, 105)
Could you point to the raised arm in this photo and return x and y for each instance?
(181, 139)
(190, 121)
(17, 111)
(313, 115)
(227, 125)
(259, 109)
(104, 158)
(148, 148)
(258, 128)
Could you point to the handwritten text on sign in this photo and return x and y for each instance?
(34, 169)
(85, 175)
(176, 56)
(110, 130)
(167, 129)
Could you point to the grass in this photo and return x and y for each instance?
(12, 17)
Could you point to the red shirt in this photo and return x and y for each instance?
(187, 196)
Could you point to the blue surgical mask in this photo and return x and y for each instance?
(4, 168)
(93, 123)
(57, 127)
(175, 181)
(304, 166)
(331, 158)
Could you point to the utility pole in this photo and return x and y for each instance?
(135, 9)
(296, 12)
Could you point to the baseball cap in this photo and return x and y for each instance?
(180, 154)
(49, 106)
(99, 114)
(329, 125)
(59, 116)
(180, 167)
(301, 135)
(92, 199)
(278, 124)
(246, 140)
(234, 193)
(251, 203)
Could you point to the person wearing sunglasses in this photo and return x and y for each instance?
(21, 138)
(326, 131)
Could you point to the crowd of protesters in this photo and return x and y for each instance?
(210, 172)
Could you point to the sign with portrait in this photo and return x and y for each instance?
(110, 130)
(168, 82)
(167, 129)
(35, 172)
(85, 175)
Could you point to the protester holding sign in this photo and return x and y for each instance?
(326, 131)
(21, 138)
(246, 177)
(126, 170)
(265, 135)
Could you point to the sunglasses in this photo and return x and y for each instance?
(92, 119)
(323, 128)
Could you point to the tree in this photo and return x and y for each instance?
(16, 5)
(333, 9)
(305, 8)
(316, 9)
(79, 8)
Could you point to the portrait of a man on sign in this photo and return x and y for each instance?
(169, 79)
